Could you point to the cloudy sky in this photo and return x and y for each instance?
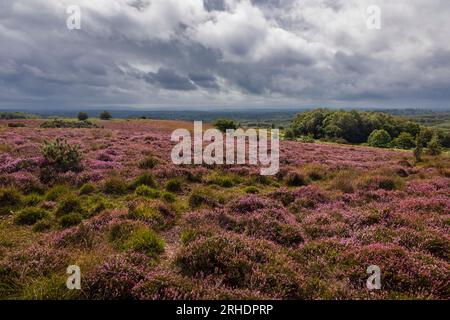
(224, 53)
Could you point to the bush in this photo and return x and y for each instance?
(105, 115)
(434, 146)
(121, 231)
(404, 141)
(30, 216)
(379, 138)
(68, 205)
(16, 125)
(224, 124)
(61, 156)
(115, 185)
(168, 197)
(295, 179)
(202, 197)
(148, 163)
(145, 179)
(42, 225)
(173, 185)
(56, 192)
(146, 241)
(87, 188)
(145, 191)
(82, 116)
(10, 197)
(71, 219)
(251, 190)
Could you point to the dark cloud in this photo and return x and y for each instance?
(169, 79)
(224, 52)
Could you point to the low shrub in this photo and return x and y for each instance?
(115, 186)
(42, 225)
(70, 220)
(173, 185)
(168, 197)
(87, 188)
(296, 179)
(145, 241)
(145, 191)
(69, 204)
(251, 190)
(148, 162)
(57, 192)
(203, 197)
(146, 179)
(61, 156)
(30, 216)
(9, 198)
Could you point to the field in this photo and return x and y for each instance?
(140, 227)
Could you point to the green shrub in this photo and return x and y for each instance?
(434, 146)
(82, 116)
(69, 204)
(61, 156)
(224, 124)
(10, 197)
(173, 185)
(56, 192)
(145, 191)
(42, 225)
(168, 197)
(202, 197)
(30, 216)
(148, 163)
(32, 200)
(115, 185)
(295, 179)
(121, 231)
(105, 115)
(404, 141)
(87, 188)
(379, 138)
(224, 182)
(146, 179)
(146, 241)
(70, 220)
(251, 189)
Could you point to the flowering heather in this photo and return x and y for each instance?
(310, 232)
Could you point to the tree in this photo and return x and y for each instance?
(224, 124)
(434, 146)
(403, 141)
(379, 138)
(105, 115)
(82, 116)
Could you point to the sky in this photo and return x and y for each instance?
(224, 54)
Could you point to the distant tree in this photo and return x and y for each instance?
(105, 115)
(82, 116)
(403, 141)
(379, 138)
(434, 146)
(418, 150)
(224, 124)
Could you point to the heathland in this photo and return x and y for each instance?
(105, 196)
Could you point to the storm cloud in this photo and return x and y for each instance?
(155, 53)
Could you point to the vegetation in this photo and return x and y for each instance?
(82, 116)
(61, 156)
(105, 115)
(224, 124)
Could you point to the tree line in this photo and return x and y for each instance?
(354, 126)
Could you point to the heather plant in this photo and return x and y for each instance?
(203, 197)
(296, 179)
(61, 156)
(168, 197)
(30, 215)
(42, 225)
(116, 277)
